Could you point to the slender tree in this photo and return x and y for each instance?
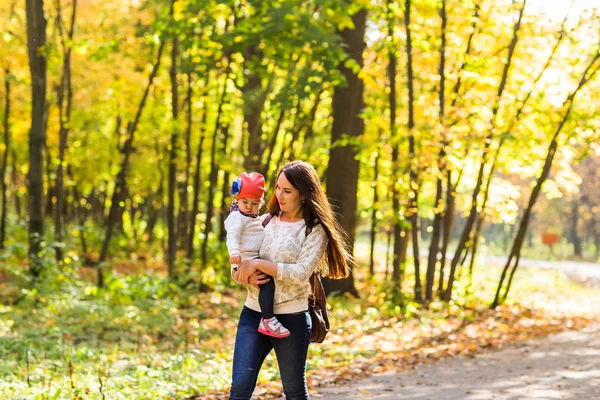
(184, 215)
(36, 40)
(16, 183)
(226, 187)
(252, 92)
(438, 204)
(397, 228)
(450, 200)
(8, 77)
(374, 210)
(155, 202)
(4, 166)
(196, 185)
(413, 207)
(65, 101)
(172, 184)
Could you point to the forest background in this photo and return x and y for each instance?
(439, 128)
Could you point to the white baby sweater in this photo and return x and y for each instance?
(297, 257)
(244, 235)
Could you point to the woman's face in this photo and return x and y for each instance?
(287, 195)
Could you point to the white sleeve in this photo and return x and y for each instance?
(312, 252)
(234, 224)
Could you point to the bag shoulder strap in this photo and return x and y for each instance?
(317, 296)
(308, 230)
(267, 219)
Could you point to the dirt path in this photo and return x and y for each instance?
(561, 366)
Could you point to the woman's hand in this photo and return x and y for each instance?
(258, 278)
(246, 269)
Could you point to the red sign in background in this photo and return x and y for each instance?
(549, 238)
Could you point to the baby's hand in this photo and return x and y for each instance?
(235, 259)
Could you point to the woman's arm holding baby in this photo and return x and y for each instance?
(248, 268)
(255, 279)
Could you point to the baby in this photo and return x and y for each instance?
(245, 234)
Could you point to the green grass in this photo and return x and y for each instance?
(141, 338)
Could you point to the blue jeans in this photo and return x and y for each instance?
(252, 347)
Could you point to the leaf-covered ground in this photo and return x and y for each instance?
(143, 338)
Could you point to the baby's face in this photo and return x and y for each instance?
(249, 206)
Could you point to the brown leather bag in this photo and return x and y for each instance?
(317, 302)
(317, 307)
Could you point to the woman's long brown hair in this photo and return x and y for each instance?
(316, 209)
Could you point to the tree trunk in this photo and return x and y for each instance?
(413, 207)
(574, 231)
(530, 235)
(121, 178)
(397, 272)
(49, 163)
(172, 183)
(447, 223)
(7, 149)
(438, 204)
(64, 115)
(253, 104)
(155, 202)
(343, 168)
(36, 40)
(80, 212)
(196, 185)
(463, 242)
(405, 235)
(15, 184)
(480, 220)
(515, 253)
(8, 76)
(448, 213)
(183, 218)
(374, 209)
(390, 235)
(225, 193)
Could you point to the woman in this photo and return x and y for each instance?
(301, 236)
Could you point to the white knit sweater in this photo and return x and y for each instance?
(244, 235)
(297, 257)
